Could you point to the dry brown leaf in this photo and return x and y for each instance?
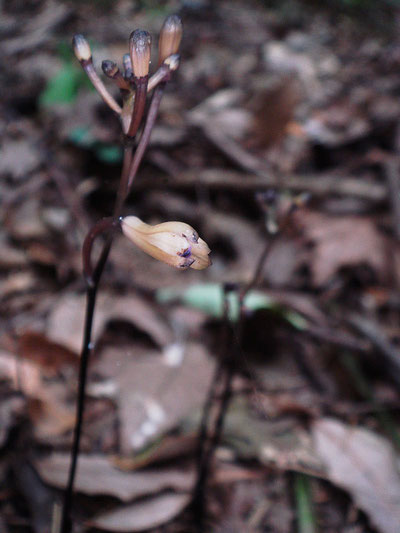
(154, 397)
(240, 236)
(144, 515)
(96, 475)
(47, 401)
(274, 108)
(10, 257)
(23, 375)
(364, 464)
(49, 355)
(50, 413)
(282, 444)
(66, 321)
(342, 242)
(154, 391)
(19, 158)
(10, 409)
(25, 221)
(20, 282)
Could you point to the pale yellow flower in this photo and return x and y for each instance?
(174, 243)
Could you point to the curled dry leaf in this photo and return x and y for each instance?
(65, 324)
(96, 475)
(50, 356)
(155, 396)
(47, 401)
(19, 158)
(10, 410)
(342, 242)
(364, 464)
(143, 515)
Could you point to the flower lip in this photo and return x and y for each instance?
(174, 243)
(187, 252)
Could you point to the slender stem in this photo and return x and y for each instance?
(213, 387)
(130, 167)
(159, 76)
(66, 524)
(139, 105)
(103, 225)
(123, 185)
(127, 174)
(265, 254)
(227, 369)
(204, 446)
(100, 87)
(131, 163)
(145, 138)
(216, 434)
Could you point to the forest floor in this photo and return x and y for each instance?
(278, 138)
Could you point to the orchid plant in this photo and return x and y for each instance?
(174, 243)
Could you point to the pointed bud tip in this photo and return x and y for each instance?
(140, 38)
(170, 37)
(140, 47)
(81, 48)
(172, 23)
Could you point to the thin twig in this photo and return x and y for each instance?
(203, 446)
(227, 370)
(266, 252)
(391, 168)
(319, 185)
(376, 336)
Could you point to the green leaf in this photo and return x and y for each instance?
(109, 153)
(209, 298)
(82, 136)
(305, 512)
(61, 88)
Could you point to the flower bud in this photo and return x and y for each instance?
(127, 63)
(174, 243)
(81, 48)
(140, 47)
(170, 37)
(172, 62)
(110, 68)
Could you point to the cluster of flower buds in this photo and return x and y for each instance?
(134, 82)
(174, 243)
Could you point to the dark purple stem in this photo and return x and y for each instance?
(145, 138)
(130, 168)
(102, 226)
(138, 106)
